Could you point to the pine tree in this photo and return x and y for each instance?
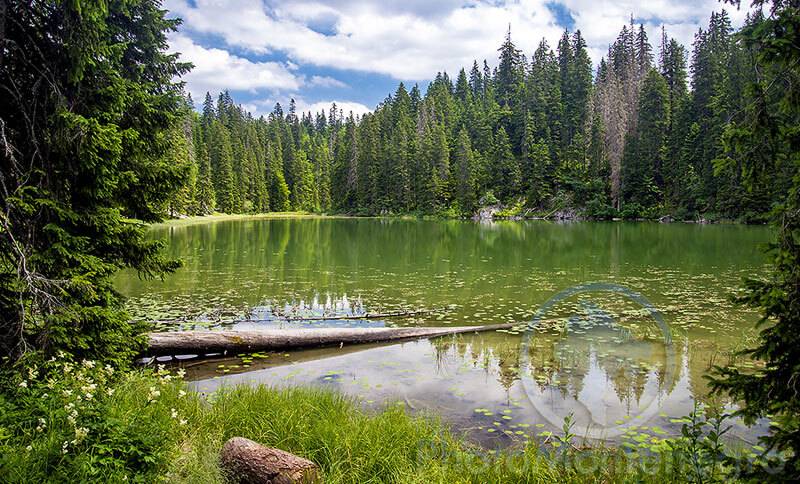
(322, 174)
(205, 198)
(303, 197)
(770, 129)
(221, 156)
(537, 156)
(463, 174)
(90, 95)
(506, 170)
(646, 148)
(279, 190)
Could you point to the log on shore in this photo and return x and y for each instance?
(205, 342)
(249, 462)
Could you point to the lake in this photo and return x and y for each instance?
(625, 356)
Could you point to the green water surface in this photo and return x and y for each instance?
(597, 355)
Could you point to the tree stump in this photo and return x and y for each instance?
(249, 462)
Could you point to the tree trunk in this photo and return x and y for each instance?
(205, 342)
(249, 462)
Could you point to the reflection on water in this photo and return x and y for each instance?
(599, 358)
(474, 382)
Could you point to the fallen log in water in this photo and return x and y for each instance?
(249, 462)
(205, 342)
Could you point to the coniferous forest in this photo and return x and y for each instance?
(133, 350)
(647, 133)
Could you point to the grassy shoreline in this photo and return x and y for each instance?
(224, 217)
(86, 423)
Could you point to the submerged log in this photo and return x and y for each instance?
(249, 462)
(205, 342)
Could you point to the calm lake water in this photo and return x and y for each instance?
(601, 356)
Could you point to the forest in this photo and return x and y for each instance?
(99, 144)
(642, 135)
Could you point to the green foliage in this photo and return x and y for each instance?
(86, 422)
(88, 146)
(536, 129)
(770, 129)
(82, 422)
(643, 160)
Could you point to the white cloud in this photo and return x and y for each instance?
(325, 81)
(358, 109)
(601, 20)
(217, 69)
(411, 42)
(262, 107)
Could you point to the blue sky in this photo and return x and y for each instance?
(355, 53)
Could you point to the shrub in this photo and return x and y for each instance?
(81, 422)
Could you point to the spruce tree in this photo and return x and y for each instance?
(771, 128)
(643, 160)
(89, 98)
(506, 170)
(464, 178)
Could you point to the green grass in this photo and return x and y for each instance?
(150, 429)
(221, 217)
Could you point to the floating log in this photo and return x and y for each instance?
(249, 462)
(205, 342)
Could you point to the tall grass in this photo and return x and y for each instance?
(150, 429)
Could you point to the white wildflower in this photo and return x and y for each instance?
(174, 413)
(80, 434)
(23, 384)
(29, 448)
(181, 373)
(110, 391)
(182, 421)
(153, 394)
(88, 363)
(181, 394)
(67, 392)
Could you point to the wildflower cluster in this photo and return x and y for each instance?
(90, 419)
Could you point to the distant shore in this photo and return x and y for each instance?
(222, 217)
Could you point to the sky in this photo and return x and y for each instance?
(355, 53)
